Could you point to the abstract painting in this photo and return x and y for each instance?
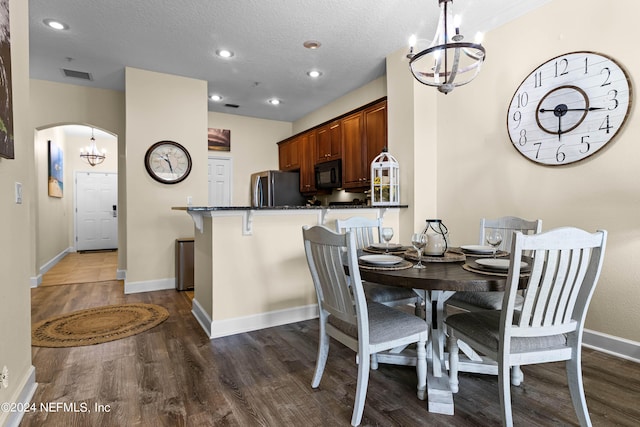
(6, 102)
(56, 172)
(219, 139)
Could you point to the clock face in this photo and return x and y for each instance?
(569, 108)
(167, 162)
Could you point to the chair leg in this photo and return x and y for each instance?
(374, 361)
(453, 362)
(323, 353)
(517, 376)
(361, 390)
(421, 369)
(505, 393)
(576, 388)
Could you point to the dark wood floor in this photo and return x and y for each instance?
(173, 375)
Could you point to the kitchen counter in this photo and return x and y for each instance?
(247, 212)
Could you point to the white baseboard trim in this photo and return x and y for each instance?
(36, 281)
(25, 394)
(149, 286)
(615, 346)
(237, 325)
(201, 316)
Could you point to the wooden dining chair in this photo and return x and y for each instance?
(549, 326)
(366, 327)
(367, 232)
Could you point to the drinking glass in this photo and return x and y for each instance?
(419, 241)
(494, 238)
(387, 234)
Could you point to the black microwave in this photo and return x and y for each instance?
(329, 174)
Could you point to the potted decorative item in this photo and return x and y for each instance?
(385, 180)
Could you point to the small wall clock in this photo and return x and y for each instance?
(167, 162)
(569, 107)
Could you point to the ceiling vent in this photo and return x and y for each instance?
(77, 74)
(231, 105)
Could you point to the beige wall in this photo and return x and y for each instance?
(253, 149)
(15, 243)
(55, 216)
(600, 192)
(53, 104)
(161, 107)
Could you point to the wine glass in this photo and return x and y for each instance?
(387, 234)
(494, 238)
(419, 241)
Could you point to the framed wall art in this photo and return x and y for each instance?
(219, 139)
(6, 101)
(56, 171)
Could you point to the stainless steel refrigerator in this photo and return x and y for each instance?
(276, 188)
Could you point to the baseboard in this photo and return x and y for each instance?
(36, 281)
(237, 325)
(24, 397)
(615, 346)
(201, 316)
(149, 286)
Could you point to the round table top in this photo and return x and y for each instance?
(442, 276)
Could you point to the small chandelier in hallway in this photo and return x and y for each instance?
(91, 154)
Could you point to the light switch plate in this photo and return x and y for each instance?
(18, 193)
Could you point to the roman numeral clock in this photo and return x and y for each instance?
(569, 108)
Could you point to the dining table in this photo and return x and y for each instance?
(435, 284)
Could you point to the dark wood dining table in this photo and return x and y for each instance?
(435, 284)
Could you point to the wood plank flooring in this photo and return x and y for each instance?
(86, 267)
(173, 375)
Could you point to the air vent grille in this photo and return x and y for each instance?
(231, 105)
(77, 74)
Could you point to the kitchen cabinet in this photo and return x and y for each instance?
(364, 135)
(329, 142)
(288, 154)
(307, 151)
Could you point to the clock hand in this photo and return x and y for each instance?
(166, 159)
(543, 110)
(559, 126)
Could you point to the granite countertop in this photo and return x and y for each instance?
(275, 208)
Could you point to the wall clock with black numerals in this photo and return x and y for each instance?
(569, 107)
(167, 162)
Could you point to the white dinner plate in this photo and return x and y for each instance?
(381, 259)
(392, 246)
(478, 249)
(498, 263)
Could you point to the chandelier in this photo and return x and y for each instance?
(91, 154)
(448, 62)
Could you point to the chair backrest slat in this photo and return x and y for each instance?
(508, 225)
(367, 231)
(339, 295)
(566, 266)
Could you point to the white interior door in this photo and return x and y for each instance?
(96, 197)
(220, 181)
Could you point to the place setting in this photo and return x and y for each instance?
(383, 262)
(386, 233)
(495, 266)
(494, 239)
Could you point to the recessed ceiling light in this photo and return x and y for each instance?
(56, 25)
(274, 101)
(311, 44)
(314, 74)
(224, 53)
(216, 98)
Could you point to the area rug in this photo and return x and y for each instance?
(97, 325)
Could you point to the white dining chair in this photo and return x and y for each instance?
(367, 232)
(474, 301)
(549, 326)
(364, 326)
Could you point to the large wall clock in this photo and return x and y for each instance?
(167, 162)
(569, 107)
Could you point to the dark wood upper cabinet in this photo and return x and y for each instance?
(329, 142)
(307, 144)
(289, 154)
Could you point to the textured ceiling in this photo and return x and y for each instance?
(181, 37)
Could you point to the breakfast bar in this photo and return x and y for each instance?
(250, 270)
